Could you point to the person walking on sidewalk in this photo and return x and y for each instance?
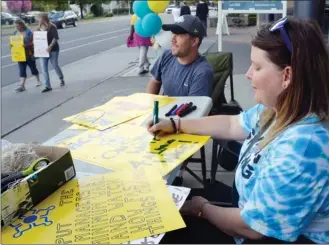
(143, 43)
(21, 29)
(202, 12)
(53, 50)
(185, 9)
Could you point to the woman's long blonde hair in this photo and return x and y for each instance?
(308, 91)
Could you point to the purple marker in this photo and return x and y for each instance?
(174, 112)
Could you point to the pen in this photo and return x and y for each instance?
(171, 110)
(155, 115)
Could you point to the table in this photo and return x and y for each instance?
(203, 103)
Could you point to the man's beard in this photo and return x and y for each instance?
(182, 53)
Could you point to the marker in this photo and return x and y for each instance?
(181, 109)
(155, 115)
(171, 110)
(188, 111)
(189, 106)
(174, 112)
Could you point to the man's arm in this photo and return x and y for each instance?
(155, 83)
(154, 86)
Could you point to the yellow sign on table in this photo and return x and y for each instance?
(112, 208)
(118, 110)
(17, 48)
(132, 147)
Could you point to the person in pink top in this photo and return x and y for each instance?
(143, 43)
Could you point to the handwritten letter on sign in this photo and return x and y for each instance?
(113, 208)
(40, 44)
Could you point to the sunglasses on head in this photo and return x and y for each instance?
(279, 25)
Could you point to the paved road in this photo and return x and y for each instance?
(75, 43)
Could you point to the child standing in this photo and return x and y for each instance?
(143, 43)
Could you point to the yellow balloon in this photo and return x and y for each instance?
(157, 6)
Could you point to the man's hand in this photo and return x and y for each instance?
(48, 49)
(194, 206)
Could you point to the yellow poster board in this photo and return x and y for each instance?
(132, 147)
(112, 208)
(118, 110)
(17, 48)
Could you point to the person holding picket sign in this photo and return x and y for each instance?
(21, 29)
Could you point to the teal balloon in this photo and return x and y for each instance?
(152, 23)
(140, 30)
(141, 8)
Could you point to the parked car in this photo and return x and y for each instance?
(7, 19)
(170, 8)
(27, 18)
(35, 14)
(64, 18)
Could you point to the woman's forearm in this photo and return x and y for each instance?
(219, 127)
(229, 221)
(53, 42)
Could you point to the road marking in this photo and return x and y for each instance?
(83, 45)
(83, 38)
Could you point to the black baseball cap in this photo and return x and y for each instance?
(187, 24)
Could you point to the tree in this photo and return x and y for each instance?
(19, 6)
(83, 3)
(48, 5)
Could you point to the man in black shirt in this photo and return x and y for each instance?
(185, 9)
(202, 12)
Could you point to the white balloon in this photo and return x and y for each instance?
(164, 39)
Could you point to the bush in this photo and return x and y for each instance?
(97, 10)
(108, 15)
(120, 11)
(252, 19)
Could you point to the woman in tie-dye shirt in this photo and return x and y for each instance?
(281, 189)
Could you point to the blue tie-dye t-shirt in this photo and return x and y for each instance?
(284, 188)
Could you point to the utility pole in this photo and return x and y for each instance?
(310, 9)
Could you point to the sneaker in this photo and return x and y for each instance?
(38, 84)
(62, 83)
(20, 89)
(142, 72)
(46, 90)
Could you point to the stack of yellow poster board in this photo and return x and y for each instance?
(132, 147)
(113, 136)
(113, 208)
(118, 110)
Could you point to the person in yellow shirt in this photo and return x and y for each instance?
(143, 43)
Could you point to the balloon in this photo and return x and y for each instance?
(157, 6)
(140, 30)
(141, 8)
(152, 23)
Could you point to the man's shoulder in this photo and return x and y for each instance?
(203, 65)
(166, 57)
